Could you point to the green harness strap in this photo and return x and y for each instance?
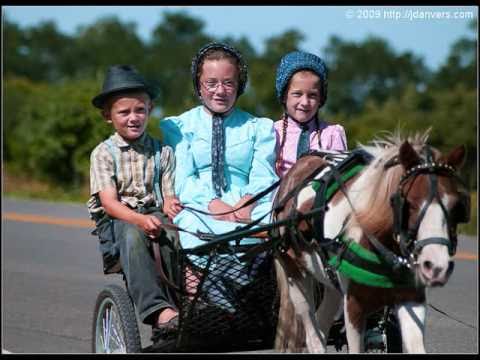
(356, 262)
(334, 186)
(365, 267)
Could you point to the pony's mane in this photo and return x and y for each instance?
(373, 209)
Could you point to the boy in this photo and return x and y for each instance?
(126, 172)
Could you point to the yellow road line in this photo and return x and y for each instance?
(39, 219)
(71, 222)
(463, 255)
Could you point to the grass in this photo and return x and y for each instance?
(22, 187)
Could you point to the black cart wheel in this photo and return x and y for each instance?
(115, 327)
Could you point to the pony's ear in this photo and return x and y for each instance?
(456, 157)
(408, 156)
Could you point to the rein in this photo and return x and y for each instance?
(245, 230)
(249, 202)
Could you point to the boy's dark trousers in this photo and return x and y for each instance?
(149, 294)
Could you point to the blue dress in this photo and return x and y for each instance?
(249, 169)
(249, 166)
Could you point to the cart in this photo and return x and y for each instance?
(234, 309)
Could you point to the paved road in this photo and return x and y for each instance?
(51, 275)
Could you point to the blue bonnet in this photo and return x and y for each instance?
(300, 60)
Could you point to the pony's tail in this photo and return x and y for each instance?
(290, 334)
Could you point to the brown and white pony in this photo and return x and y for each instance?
(431, 206)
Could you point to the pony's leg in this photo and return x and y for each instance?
(326, 312)
(354, 326)
(411, 317)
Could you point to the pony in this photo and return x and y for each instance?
(387, 232)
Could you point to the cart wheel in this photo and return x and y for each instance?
(115, 327)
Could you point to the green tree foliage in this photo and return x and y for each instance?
(260, 98)
(38, 52)
(102, 44)
(368, 70)
(450, 115)
(461, 64)
(13, 48)
(174, 43)
(59, 129)
(17, 92)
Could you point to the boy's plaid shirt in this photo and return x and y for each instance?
(134, 173)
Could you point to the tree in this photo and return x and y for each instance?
(37, 52)
(174, 43)
(17, 92)
(60, 128)
(450, 115)
(261, 98)
(461, 64)
(368, 70)
(107, 42)
(13, 48)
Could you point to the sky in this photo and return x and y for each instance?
(426, 31)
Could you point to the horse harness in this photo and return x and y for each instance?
(382, 268)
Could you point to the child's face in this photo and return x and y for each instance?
(303, 96)
(129, 114)
(219, 84)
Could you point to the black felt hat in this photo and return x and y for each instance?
(123, 78)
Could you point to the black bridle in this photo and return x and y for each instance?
(410, 246)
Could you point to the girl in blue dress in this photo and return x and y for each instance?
(224, 155)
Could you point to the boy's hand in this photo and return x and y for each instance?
(218, 206)
(171, 206)
(244, 214)
(151, 225)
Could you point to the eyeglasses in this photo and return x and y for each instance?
(212, 85)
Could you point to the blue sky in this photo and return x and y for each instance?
(427, 31)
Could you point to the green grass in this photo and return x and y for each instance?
(21, 187)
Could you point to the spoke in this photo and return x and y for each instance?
(116, 333)
(104, 333)
(108, 324)
(102, 343)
